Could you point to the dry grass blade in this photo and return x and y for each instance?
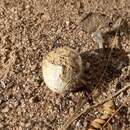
(127, 100)
(71, 119)
(108, 110)
(113, 45)
(78, 114)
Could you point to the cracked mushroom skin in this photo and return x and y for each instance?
(61, 69)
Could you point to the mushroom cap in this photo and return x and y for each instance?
(61, 68)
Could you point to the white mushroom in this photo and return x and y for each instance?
(61, 68)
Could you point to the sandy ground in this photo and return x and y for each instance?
(31, 28)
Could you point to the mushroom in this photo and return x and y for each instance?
(62, 69)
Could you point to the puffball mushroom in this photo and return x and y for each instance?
(61, 68)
